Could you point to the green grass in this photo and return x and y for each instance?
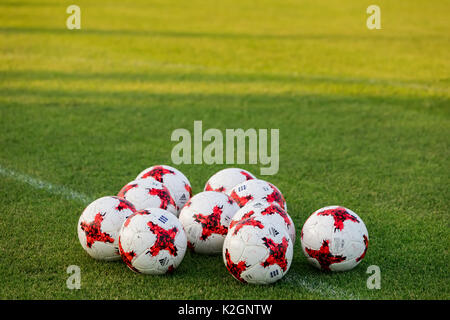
(363, 118)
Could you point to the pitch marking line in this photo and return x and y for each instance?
(47, 186)
(318, 287)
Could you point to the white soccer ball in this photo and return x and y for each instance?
(149, 193)
(152, 242)
(258, 251)
(99, 226)
(177, 183)
(263, 208)
(205, 219)
(257, 190)
(226, 179)
(334, 239)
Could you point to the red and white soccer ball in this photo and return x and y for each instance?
(149, 193)
(263, 208)
(99, 226)
(257, 190)
(205, 219)
(258, 251)
(177, 183)
(152, 242)
(334, 239)
(226, 179)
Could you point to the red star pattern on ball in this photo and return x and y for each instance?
(339, 215)
(157, 173)
(241, 201)
(275, 196)
(275, 209)
(211, 223)
(324, 256)
(235, 269)
(93, 231)
(244, 217)
(124, 204)
(247, 176)
(188, 189)
(164, 196)
(277, 253)
(165, 239)
(127, 257)
(209, 188)
(366, 243)
(125, 189)
(247, 222)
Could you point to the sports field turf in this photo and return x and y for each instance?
(363, 116)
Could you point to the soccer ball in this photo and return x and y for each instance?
(258, 251)
(99, 226)
(177, 183)
(149, 193)
(257, 190)
(226, 179)
(334, 239)
(264, 208)
(205, 219)
(152, 242)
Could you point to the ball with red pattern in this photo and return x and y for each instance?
(177, 183)
(152, 242)
(225, 180)
(258, 251)
(263, 208)
(205, 219)
(99, 226)
(149, 193)
(334, 239)
(257, 190)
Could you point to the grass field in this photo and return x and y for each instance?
(364, 122)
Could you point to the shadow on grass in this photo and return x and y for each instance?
(211, 102)
(229, 77)
(220, 35)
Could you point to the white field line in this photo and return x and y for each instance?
(316, 286)
(47, 186)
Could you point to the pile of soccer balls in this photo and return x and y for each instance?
(154, 219)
